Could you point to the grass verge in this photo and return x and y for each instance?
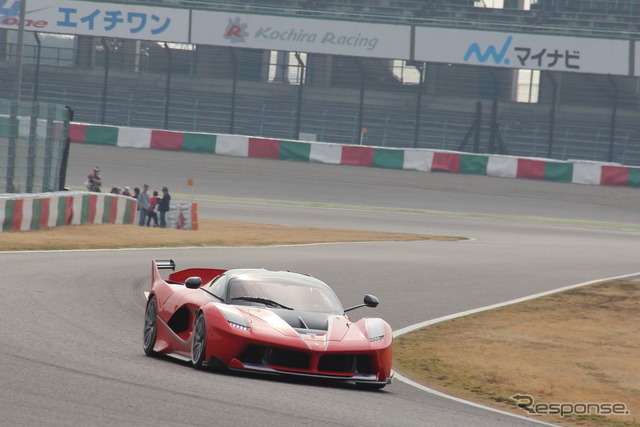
(210, 233)
(576, 347)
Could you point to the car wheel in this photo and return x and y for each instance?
(150, 327)
(199, 342)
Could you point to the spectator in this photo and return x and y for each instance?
(143, 204)
(153, 209)
(127, 191)
(94, 181)
(163, 206)
(135, 195)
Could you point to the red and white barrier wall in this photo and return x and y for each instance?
(21, 212)
(578, 172)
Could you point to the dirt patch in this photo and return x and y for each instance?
(210, 233)
(576, 347)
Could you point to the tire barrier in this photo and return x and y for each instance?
(427, 160)
(22, 212)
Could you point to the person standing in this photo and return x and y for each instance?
(163, 207)
(144, 202)
(94, 181)
(152, 213)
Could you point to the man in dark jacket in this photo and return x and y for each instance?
(163, 207)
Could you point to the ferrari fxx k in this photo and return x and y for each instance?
(256, 320)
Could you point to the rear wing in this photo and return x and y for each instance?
(165, 264)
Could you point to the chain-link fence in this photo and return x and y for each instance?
(33, 146)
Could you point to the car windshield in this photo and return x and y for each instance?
(295, 293)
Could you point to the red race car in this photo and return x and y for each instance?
(256, 320)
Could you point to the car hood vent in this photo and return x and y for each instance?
(305, 320)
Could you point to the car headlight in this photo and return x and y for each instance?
(375, 327)
(234, 317)
(238, 326)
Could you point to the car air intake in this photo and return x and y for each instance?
(347, 363)
(275, 357)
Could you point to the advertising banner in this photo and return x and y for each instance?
(98, 19)
(301, 35)
(528, 51)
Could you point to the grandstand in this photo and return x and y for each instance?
(256, 92)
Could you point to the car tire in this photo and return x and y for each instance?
(150, 332)
(199, 342)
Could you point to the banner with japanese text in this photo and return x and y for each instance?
(301, 35)
(527, 51)
(98, 19)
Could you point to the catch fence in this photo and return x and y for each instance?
(34, 145)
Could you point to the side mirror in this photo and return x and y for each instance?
(193, 282)
(369, 301)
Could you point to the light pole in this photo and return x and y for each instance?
(13, 109)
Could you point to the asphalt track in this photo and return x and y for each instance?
(70, 351)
